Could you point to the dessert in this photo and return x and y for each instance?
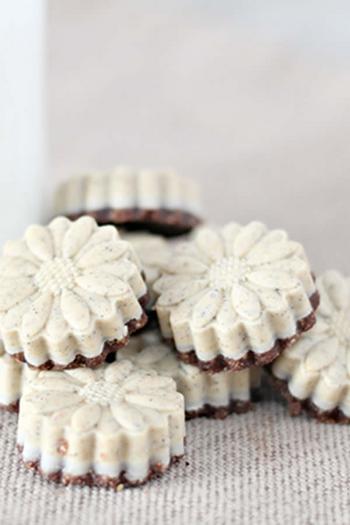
(70, 293)
(114, 426)
(210, 395)
(314, 374)
(159, 201)
(235, 298)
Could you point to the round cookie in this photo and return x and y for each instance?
(70, 293)
(114, 426)
(154, 200)
(314, 374)
(210, 395)
(235, 298)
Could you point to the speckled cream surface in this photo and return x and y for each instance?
(232, 290)
(318, 366)
(108, 421)
(66, 289)
(154, 253)
(199, 389)
(11, 379)
(128, 188)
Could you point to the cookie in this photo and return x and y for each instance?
(70, 293)
(114, 426)
(158, 201)
(210, 395)
(314, 374)
(235, 298)
(154, 253)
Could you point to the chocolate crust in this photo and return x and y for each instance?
(222, 412)
(81, 361)
(221, 363)
(13, 407)
(91, 479)
(297, 406)
(166, 222)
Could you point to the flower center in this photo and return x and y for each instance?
(227, 271)
(341, 327)
(100, 392)
(56, 274)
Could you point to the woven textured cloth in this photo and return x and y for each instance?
(263, 467)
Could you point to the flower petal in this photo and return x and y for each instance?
(207, 308)
(14, 291)
(180, 292)
(248, 237)
(54, 384)
(128, 417)
(82, 375)
(264, 253)
(162, 402)
(226, 316)
(86, 417)
(102, 283)
(102, 234)
(245, 302)
(273, 300)
(17, 267)
(322, 354)
(59, 228)
(75, 310)
(210, 243)
(50, 401)
(230, 232)
(100, 306)
(56, 325)
(170, 281)
(273, 279)
(20, 249)
(77, 235)
(39, 241)
(119, 371)
(337, 289)
(36, 317)
(103, 253)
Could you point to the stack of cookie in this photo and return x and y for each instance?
(111, 337)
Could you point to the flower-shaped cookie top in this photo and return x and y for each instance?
(106, 400)
(67, 288)
(318, 365)
(245, 279)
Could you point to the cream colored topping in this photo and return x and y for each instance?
(234, 290)
(149, 352)
(126, 188)
(67, 288)
(12, 377)
(110, 419)
(154, 253)
(318, 366)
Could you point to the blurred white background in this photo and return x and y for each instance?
(251, 98)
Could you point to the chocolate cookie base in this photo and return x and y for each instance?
(297, 406)
(91, 479)
(13, 407)
(222, 412)
(222, 363)
(165, 222)
(89, 362)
